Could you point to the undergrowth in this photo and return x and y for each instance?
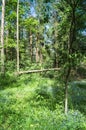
(28, 103)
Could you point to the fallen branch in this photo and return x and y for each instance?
(37, 71)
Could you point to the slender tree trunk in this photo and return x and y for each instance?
(66, 98)
(37, 55)
(72, 38)
(31, 50)
(2, 38)
(18, 36)
(41, 59)
(37, 49)
(6, 50)
(66, 89)
(55, 42)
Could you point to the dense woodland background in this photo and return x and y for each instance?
(43, 65)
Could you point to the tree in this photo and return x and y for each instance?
(2, 37)
(18, 36)
(68, 38)
(31, 25)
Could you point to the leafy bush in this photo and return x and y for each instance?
(73, 121)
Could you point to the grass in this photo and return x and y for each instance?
(22, 107)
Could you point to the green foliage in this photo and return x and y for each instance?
(31, 24)
(35, 101)
(7, 80)
(51, 92)
(73, 121)
(78, 95)
(11, 43)
(27, 103)
(10, 66)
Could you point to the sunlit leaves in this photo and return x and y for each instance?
(31, 24)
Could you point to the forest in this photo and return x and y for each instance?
(42, 64)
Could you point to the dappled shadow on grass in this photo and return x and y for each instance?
(13, 80)
(10, 80)
(77, 93)
(7, 80)
(33, 89)
(21, 114)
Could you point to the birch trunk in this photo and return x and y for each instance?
(18, 36)
(2, 37)
(31, 49)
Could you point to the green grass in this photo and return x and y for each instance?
(23, 106)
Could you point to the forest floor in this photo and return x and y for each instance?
(26, 104)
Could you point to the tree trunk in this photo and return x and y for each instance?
(66, 98)
(55, 42)
(6, 50)
(66, 89)
(37, 55)
(18, 36)
(31, 49)
(2, 38)
(38, 71)
(72, 38)
(41, 58)
(37, 50)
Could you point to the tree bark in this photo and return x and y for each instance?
(66, 98)
(6, 50)
(38, 71)
(66, 89)
(2, 38)
(31, 49)
(18, 36)
(72, 38)
(41, 59)
(37, 49)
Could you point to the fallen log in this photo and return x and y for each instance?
(37, 71)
